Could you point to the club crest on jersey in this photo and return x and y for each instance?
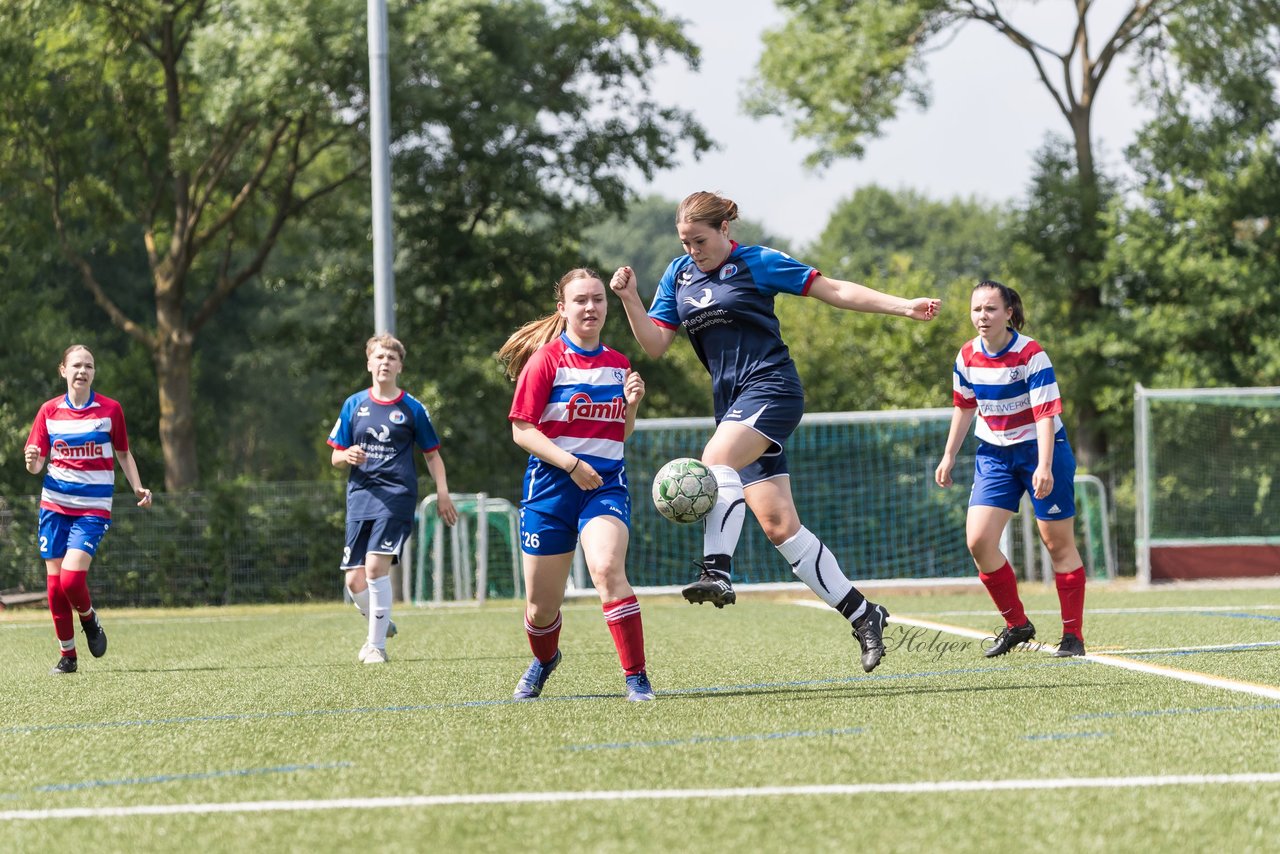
(727, 271)
(582, 406)
(619, 375)
(397, 417)
(87, 451)
(1015, 373)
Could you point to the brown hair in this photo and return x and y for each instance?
(67, 352)
(708, 208)
(1011, 300)
(386, 340)
(528, 338)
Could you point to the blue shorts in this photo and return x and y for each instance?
(1003, 474)
(384, 536)
(550, 526)
(59, 532)
(773, 417)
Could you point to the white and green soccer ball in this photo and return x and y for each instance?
(684, 490)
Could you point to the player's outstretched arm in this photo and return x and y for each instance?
(855, 297)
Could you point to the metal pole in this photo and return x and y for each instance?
(384, 283)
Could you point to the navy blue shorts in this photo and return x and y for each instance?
(550, 526)
(385, 536)
(59, 532)
(773, 417)
(1003, 474)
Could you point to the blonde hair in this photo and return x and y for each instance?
(707, 208)
(528, 338)
(387, 341)
(67, 352)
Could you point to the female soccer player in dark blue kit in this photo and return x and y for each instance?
(722, 293)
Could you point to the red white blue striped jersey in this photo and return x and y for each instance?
(81, 445)
(1011, 390)
(576, 398)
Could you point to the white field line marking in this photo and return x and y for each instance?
(1215, 648)
(1158, 609)
(1268, 691)
(922, 788)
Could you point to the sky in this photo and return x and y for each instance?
(988, 116)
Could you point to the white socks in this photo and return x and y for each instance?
(724, 522)
(818, 568)
(379, 608)
(360, 600)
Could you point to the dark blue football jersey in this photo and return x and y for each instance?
(386, 483)
(728, 315)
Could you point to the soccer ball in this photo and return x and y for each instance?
(684, 490)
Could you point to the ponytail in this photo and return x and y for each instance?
(526, 340)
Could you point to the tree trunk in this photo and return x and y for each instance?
(173, 360)
(1086, 302)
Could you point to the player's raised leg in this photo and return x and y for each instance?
(814, 564)
(733, 446)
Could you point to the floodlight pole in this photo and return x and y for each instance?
(384, 282)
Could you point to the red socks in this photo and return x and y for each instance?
(75, 586)
(623, 618)
(543, 640)
(60, 608)
(1003, 587)
(1071, 597)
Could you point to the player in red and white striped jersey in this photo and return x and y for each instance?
(1007, 380)
(82, 435)
(575, 405)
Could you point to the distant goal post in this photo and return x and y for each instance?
(1207, 483)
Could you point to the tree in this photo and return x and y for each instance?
(842, 67)
(517, 125)
(188, 133)
(905, 244)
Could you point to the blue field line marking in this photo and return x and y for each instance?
(171, 778)
(474, 704)
(1240, 647)
(714, 739)
(1238, 615)
(1062, 736)
(1202, 710)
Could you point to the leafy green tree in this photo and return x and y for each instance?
(902, 243)
(841, 67)
(201, 160)
(517, 125)
(187, 135)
